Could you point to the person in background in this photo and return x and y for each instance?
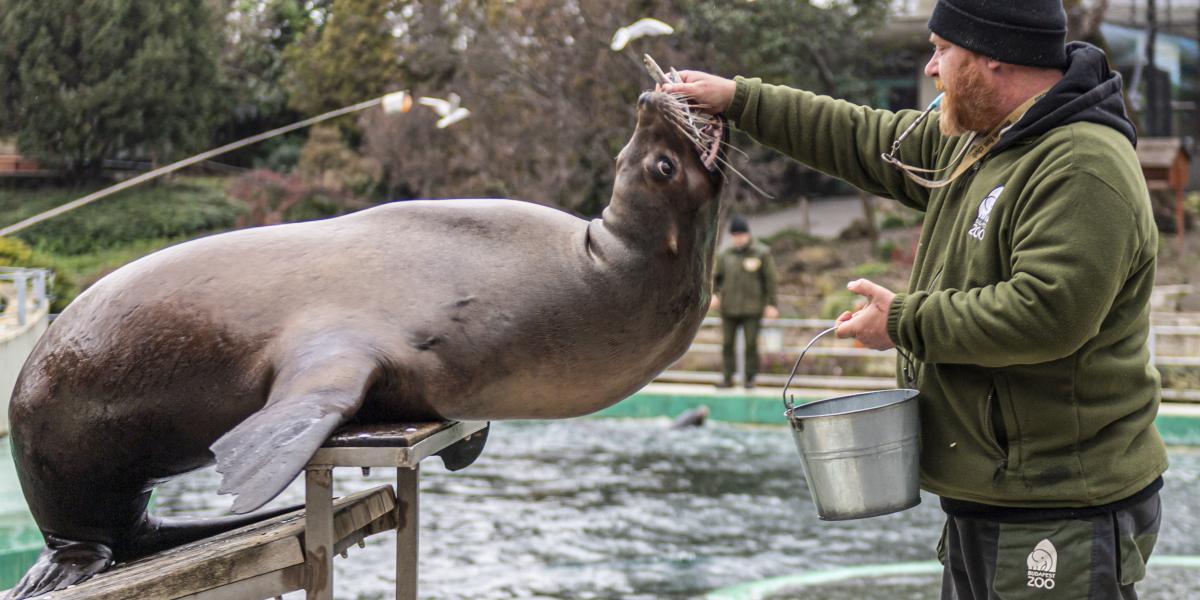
(1028, 311)
(744, 293)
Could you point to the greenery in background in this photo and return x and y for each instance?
(81, 82)
(327, 160)
(352, 57)
(551, 103)
(182, 208)
(63, 287)
(787, 240)
(271, 198)
(85, 244)
(825, 48)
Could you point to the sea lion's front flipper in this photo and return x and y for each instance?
(318, 387)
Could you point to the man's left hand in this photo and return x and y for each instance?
(868, 324)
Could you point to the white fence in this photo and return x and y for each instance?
(1173, 344)
(23, 319)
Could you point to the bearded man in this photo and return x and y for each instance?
(1027, 314)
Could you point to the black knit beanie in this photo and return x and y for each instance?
(738, 224)
(1022, 32)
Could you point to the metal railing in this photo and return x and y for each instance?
(1165, 342)
(23, 291)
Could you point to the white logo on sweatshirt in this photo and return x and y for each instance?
(985, 212)
(1043, 564)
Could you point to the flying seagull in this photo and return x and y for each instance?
(640, 28)
(449, 110)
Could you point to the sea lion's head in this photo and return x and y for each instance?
(675, 154)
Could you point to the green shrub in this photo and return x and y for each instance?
(871, 269)
(892, 221)
(62, 286)
(838, 302)
(887, 249)
(270, 198)
(282, 153)
(14, 252)
(174, 210)
(788, 240)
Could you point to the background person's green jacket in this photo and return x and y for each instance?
(1028, 307)
(744, 280)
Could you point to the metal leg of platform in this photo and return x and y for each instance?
(407, 530)
(318, 532)
(401, 446)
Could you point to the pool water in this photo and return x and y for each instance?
(612, 508)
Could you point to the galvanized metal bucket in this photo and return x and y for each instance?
(860, 452)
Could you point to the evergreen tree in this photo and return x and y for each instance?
(85, 81)
(351, 58)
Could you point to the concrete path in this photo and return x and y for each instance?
(827, 217)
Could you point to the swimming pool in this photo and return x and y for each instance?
(615, 508)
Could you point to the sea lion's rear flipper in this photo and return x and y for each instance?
(156, 534)
(62, 563)
(318, 387)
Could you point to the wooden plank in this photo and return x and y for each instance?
(230, 557)
(267, 585)
(197, 576)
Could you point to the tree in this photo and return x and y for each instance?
(81, 82)
(1084, 18)
(350, 58)
(552, 104)
(258, 34)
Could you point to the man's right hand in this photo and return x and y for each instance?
(715, 304)
(712, 94)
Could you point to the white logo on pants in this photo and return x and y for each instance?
(1042, 563)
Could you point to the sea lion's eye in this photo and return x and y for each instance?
(665, 167)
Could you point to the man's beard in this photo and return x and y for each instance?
(968, 106)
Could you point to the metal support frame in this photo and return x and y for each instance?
(318, 539)
(407, 528)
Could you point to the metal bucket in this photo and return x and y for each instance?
(860, 453)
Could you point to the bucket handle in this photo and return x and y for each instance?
(789, 404)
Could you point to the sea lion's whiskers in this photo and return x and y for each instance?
(694, 124)
(743, 178)
(699, 138)
(729, 146)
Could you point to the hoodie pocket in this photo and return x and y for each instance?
(993, 424)
(937, 278)
(1000, 424)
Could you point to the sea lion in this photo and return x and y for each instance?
(249, 348)
(691, 418)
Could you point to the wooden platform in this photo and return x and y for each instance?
(295, 551)
(258, 561)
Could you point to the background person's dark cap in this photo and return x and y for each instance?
(1021, 32)
(738, 224)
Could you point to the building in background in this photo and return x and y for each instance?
(1163, 101)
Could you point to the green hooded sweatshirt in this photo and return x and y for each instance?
(744, 280)
(1028, 310)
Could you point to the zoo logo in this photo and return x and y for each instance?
(985, 212)
(1042, 563)
(752, 264)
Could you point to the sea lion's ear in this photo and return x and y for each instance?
(319, 386)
